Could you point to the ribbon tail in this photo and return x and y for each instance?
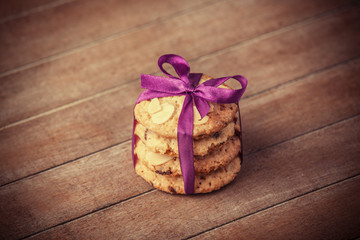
(241, 155)
(202, 106)
(134, 137)
(185, 144)
(133, 143)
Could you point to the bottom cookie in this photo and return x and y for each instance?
(203, 183)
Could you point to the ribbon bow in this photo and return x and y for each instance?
(187, 84)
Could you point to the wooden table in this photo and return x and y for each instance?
(70, 75)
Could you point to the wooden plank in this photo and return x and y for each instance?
(107, 120)
(68, 134)
(14, 9)
(267, 178)
(30, 38)
(49, 83)
(68, 191)
(330, 213)
(52, 184)
(289, 55)
(306, 105)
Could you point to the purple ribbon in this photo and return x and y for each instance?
(187, 84)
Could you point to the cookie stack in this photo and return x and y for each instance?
(216, 144)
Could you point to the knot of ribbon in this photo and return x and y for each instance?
(199, 94)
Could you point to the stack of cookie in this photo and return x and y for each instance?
(216, 144)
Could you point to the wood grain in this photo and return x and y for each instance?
(330, 213)
(267, 178)
(68, 26)
(306, 105)
(94, 70)
(107, 120)
(10, 10)
(68, 191)
(53, 183)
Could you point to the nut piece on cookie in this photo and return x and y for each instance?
(154, 106)
(211, 107)
(156, 158)
(163, 115)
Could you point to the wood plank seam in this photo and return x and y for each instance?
(153, 190)
(35, 10)
(94, 211)
(275, 144)
(106, 39)
(276, 205)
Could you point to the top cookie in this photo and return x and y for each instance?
(161, 115)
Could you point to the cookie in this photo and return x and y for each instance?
(160, 115)
(168, 165)
(203, 183)
(169, 146)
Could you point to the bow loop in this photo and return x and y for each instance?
(179, 64)
(210, 91)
